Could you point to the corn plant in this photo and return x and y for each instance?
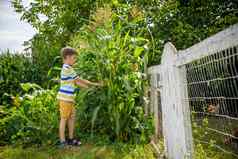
(114, 55)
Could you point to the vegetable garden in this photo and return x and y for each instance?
(116, 42)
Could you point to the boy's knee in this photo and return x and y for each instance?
(63, 119)
(72, 117)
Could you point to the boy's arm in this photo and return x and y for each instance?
(84, 82)
(79, 82)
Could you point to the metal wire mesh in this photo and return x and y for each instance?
(212, 85)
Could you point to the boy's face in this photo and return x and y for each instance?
(71, 59)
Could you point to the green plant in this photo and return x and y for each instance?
(115, 55)
(15, 68)
(33, 121)
(206, 143)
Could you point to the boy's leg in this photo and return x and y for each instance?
(64, 116)
(71, 123)
(71, 126)
(62, 129)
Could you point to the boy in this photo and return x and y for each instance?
(69, 79)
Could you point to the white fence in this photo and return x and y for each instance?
(171, 94)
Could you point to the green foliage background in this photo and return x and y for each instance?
(116, 40)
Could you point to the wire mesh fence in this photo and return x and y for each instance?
(198, 96)
(212, 84)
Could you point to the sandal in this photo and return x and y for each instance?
(61, 145)
(73, 142)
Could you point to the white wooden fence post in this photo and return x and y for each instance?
(176, 116)
(154, 105)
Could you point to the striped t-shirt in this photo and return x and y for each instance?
(67, 84)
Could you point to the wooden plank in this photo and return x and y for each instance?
(218, 42)
(154, 102)
(154, 69)
(155, 85)
(177, 136)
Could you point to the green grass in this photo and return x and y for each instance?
(87, 151)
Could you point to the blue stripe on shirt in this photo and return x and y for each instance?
(67, 88)
(66, 78)
(67, 92)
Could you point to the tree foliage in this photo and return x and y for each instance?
(183, 22)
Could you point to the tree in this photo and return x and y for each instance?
(61, 20)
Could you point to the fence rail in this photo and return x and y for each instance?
(194, 84)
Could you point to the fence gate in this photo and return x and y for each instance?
(197, 85)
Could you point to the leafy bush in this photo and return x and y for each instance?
(33, 121)
(206, 144)
(14, 69)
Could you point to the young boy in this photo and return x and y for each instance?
(69, 80)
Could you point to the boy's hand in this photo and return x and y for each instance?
(82, 85)
(98, 84)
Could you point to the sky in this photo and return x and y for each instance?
(13, 31)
